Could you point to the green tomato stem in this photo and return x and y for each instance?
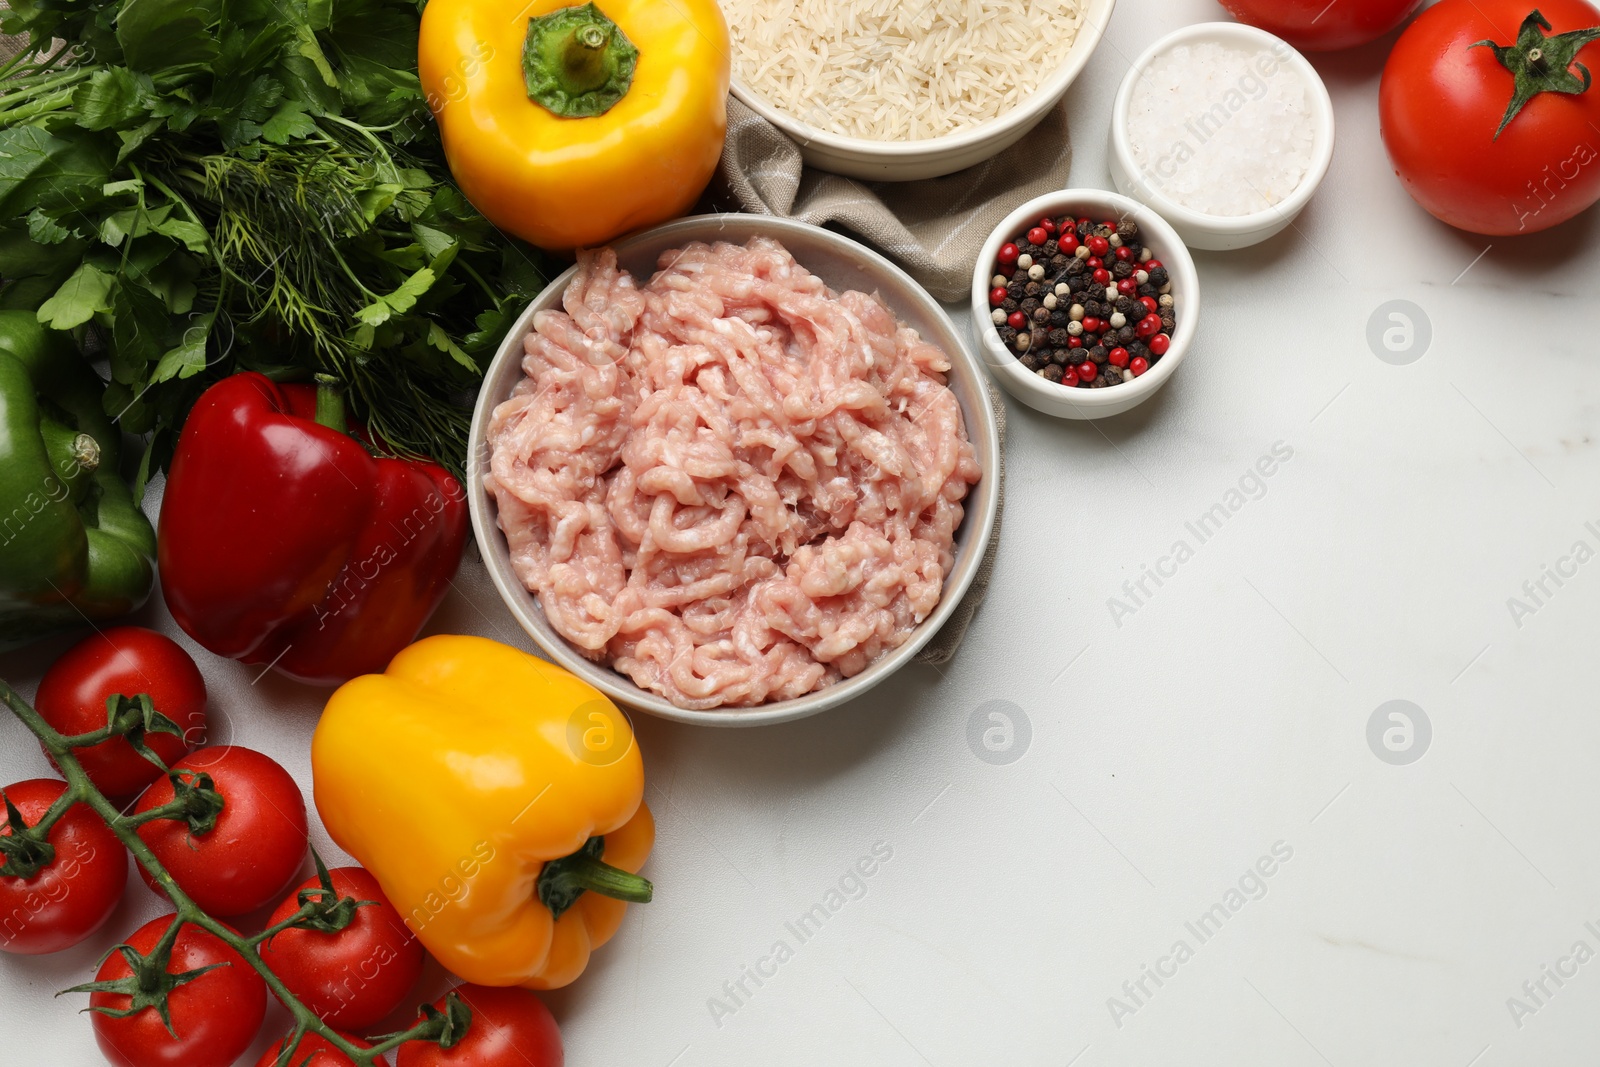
(81, 790)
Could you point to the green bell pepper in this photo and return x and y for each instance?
(74, 546)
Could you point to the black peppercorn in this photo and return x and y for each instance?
(1051, 248)
(1008, 336)
(1041, 315)
(1098, 355)
(1126, 335)
(1128, 305)
(1168, 322)
(1033, 289)
(1054, 373)
(1009, 305)
(1029, 305)
(1059, 356)
(1035, 360)
(1058, 264)
(1159, 277)
(1123, 269)
(1058, 336)
(1076, 266)
(1127, 229)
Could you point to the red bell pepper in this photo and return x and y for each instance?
(283, 541)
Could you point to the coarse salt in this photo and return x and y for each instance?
(1222, 130)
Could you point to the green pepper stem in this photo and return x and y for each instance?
(330, 405)
(600, 877)
(563, 881)
(577, 63)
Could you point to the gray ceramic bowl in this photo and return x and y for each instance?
(843, 264)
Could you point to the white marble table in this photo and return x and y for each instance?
(1172, 752)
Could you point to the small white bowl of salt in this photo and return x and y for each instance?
(1223, 129)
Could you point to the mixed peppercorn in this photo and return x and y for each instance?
(1082, 303)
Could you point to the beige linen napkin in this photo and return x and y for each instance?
(934, 228)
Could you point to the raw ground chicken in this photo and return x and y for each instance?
(732, 485)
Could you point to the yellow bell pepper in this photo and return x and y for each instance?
(497, 799)
(571, 125)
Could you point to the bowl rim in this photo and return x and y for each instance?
(982, 502)
(1096, 17)
(1086, 401)
(1227, 225)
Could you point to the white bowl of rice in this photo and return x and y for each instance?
(891, 91)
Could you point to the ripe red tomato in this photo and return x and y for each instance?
(68, 900)
(215, 1016)
(255, 850)
(314, 1051)
(1443, 99)
(355, 977)
(129, 660)
(510, 1027)
(1318, 26)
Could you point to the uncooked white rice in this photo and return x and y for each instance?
(899, 70)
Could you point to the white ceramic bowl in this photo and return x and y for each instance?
(1042, 394)
(908, 160)
(1218, 232)
(843, 264)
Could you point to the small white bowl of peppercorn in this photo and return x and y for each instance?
(1084, 303)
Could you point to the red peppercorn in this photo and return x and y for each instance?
(1092, 325)
(1068, 243)
(1150, 304)
(1153, 264)
(1094, 262)
(1017, 320)
(1124, 254)
(1074, 342)
(997, 296)
(1160, 343)
(1099, 245)
(1148, 326)
(1139, 365)
(1047, 224)
(1088, 371)
(1102, 277)
(1118, 357)
(1070, 378)
(1127, 287)
(1007, 270)
(1038, 236)
(1008, 253)
(1110, 225)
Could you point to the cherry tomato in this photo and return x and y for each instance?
(510, 1028)
(314, 1051)
(1443, 100)
(1318, 26)
(129, 660)
(255, 850)
(68, 900)
(355, 977)
(215, 1016)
